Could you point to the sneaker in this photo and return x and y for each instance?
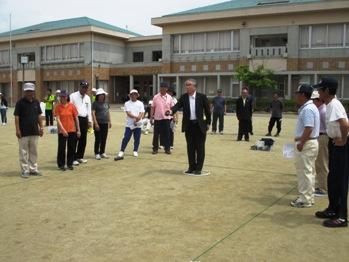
(171, 147)
(320, 193)
(120, 156)
(135, 154)
(4, 124)
(337, 222)
(161, 147)
(146, 132)
(276, 135)
(104, 155)
(168, 152)
(98, 157)
(326, 214)
(154, 152)
(299, 203)
(221, 133)
(62, 168)
(24, 174)
(76, 163)
(35, 173)
(268, 134)
(82, 161)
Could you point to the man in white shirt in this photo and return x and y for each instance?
(134, 110)
(82, 103)
(337, 129)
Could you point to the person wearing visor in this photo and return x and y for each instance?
(82, 102)
(306, 135)
(337, 127)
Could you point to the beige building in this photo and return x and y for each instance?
(301, 40)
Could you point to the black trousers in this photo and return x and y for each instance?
(101, 138)
(220, 117)
(272, 123)
(81, 144)
(338, 179)
(244, 129)
(63, 143)
(49, 117)
(195, 146)
(162, 130)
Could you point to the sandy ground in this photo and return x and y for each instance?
(145, 209)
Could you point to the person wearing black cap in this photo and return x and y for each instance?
(307, 132)
(195, 123)
(219, 109)
(82, 103)
(337, 127)
(162, 102)
(244, 110)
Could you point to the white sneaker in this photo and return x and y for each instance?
(161, 147)
(104, 155)
(76, 163)
(221, 133)
(119, 156)
(98, 157)
(82, 161)
(4, 124)
(135, 154)
(171, 147)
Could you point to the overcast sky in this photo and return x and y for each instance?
(136, 14)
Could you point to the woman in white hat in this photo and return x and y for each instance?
(101, 123)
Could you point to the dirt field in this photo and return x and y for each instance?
(145, 209)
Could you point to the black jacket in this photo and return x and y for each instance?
(202, 109)
(3, 102)
(244, 111)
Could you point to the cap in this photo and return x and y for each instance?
(58, 91)
(29, 87)
(327, 82)
(134, 91)
(84, 83)
(164, 84)
(94, 89)
(315, 95)
(150, 102)
(305, 89)
(64, 93)
(100, 91)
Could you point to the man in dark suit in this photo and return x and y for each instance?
(244, 114)
(195, 123)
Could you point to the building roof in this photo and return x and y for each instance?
(240, 4)
(66, 24)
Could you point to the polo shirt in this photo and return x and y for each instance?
(28, 113)
(161, 104)
(308, 116)
(67, 114)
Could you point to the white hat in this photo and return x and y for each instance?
(100, 91)
(29, 87)
(315, 95)
(134, 91)
(95, 90)
(58, 91)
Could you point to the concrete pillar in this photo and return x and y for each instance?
(289, 86)
(178, 86)
(154, 85)
(131, 82)
(316, 78)
(218, 81)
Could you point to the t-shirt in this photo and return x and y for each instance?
(49, 102)
(67, 114)
(218, 103)
(334, 112)
(28, 113)
(135, 108)
(276, 108)
(102, 112)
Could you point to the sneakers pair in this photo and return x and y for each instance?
(100, 156)
(26, 174)
(332, 220)
(299, 203)
(120, 156)
(79, 161)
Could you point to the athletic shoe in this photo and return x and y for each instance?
(98, 157)
(168, 152)
(4, 124)
(276, 135)
(268, 134)
(154, 152)
(299, 203)
(76, 163)
(62, 168)
(82, 161)
(161, 147)
(135, 154)
(24, 174)
(320, 193)
(104, 155)
(120, 156)
(337, 222)
(171, 147)
(326, 214)
(35, 173)
(221, 133)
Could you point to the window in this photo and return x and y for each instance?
(4, 57)
(225, 41)
(58, 52)
(319, 36)
(236, 44)
(50, 51)
(199, 42)
(138, 57)
(212, 41)
(346, 86)
(176, 39)
(347, 35)
(304, 35)
(157, 55)
(186, 43)
(335, 35)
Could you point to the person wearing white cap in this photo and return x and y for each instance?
(29, 127)
(101, 123)
(58, 94)
(3, 109)
(321, 163)
(135, 111)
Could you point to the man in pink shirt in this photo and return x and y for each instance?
(162, 102)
